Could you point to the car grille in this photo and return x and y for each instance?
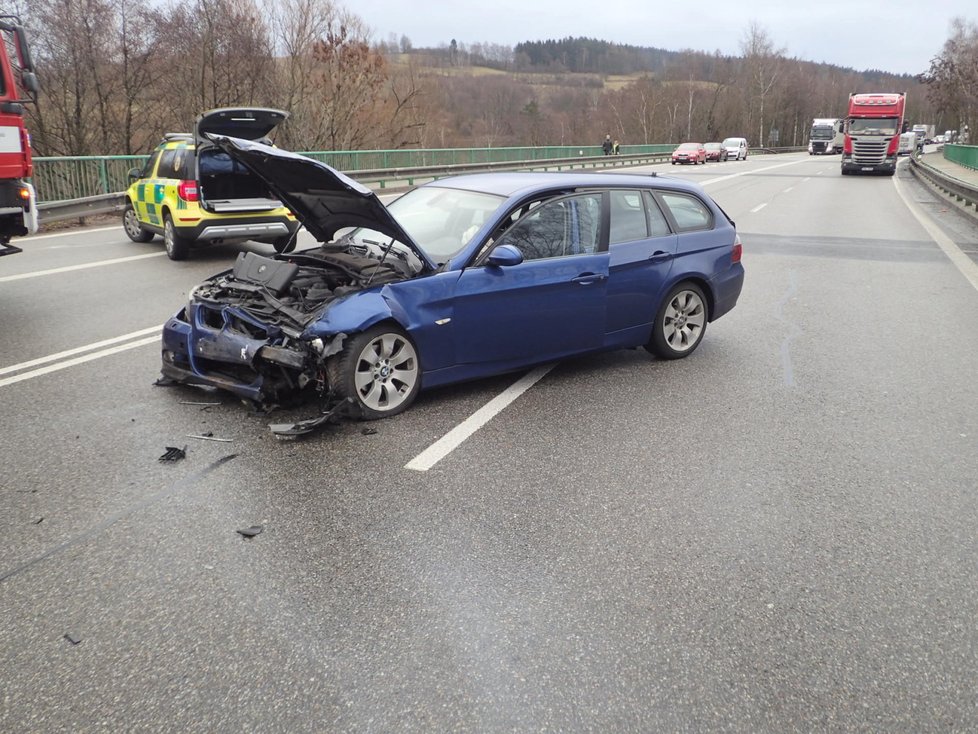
(869, 152)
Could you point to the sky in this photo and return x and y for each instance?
(898, 37)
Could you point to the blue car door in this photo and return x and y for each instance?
(548, 306)
(642, 249)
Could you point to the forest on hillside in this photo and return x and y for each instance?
(116, 74)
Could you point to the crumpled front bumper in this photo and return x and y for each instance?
(227, 349)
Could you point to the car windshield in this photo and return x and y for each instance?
(822, 132)
(712, 146)
(688, 146)
(440, 220)
(731, 142)
(873, 125)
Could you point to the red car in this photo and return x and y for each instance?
(689, 153)
(715, 152)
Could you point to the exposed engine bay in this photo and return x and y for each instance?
(291, 290)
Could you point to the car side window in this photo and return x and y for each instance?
(657, 220)
(628, 219)
(556, 228)
(175, 163)
(690, 213)
(151, 164)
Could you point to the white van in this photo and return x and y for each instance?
(908, 142)
(736, 148)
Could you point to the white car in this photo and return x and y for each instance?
(736, 148)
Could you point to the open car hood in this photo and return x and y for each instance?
(321, 197)
(242, 122)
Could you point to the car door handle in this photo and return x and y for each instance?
(589, 278)
(660, 257)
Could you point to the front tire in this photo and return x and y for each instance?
(134, 230)
(177, 247)
(379, 369)
(680, 323)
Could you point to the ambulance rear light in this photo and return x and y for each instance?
(187, 190)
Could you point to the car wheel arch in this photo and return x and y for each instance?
(344, 376)
(696, 279)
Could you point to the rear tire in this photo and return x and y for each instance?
(134, 230)
(177, 247)
(680, 323)
(379, 370)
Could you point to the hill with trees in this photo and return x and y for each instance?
(116, 74)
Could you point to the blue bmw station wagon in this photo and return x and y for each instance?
(461, 278)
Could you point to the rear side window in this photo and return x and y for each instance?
(628, 220)
(176, 163)
(689, 213)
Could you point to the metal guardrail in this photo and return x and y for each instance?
(384, 179)
(390, 179)
(71, 177)
(961, 191)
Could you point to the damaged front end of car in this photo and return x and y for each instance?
(247, 330)
(258, 329)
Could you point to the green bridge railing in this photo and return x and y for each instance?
(74, 177)
(966, 155)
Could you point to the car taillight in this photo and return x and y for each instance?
(187, 190)
(738, 250)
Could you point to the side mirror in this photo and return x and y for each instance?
(504, 256)
(29, 80)
(135, 173)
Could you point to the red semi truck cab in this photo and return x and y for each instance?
(18, 86)
(873, 128)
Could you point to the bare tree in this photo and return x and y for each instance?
(952, 80)
(763, 63)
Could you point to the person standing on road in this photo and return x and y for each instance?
(606, 145)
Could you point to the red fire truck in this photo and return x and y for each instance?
(18, 85)
(873, 129)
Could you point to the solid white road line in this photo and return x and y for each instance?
(454, 438)
(83, 266)
(78, 350)
(962, 262)
(78, 360)
(70, 232)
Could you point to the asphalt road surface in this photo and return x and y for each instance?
(778, 533)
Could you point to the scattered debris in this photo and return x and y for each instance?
(174, 454)
(73, 639)
(301, 428)
(196, 402)
(37, 521)
(165, 382)
(209, 437)
(368, 431)
(250, 532)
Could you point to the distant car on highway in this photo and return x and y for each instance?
(460, 278)
(715, 152)
(191, 193)
(689, 153)
(736, 148)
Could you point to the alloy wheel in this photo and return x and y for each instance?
(386, 372)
